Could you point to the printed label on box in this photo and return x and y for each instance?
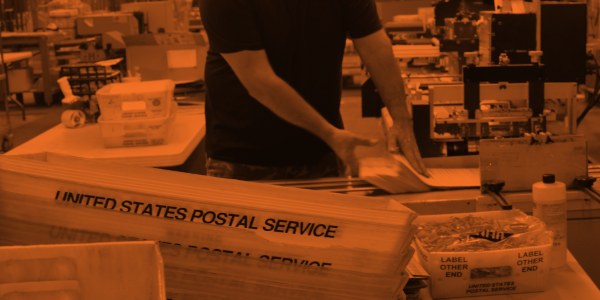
(462, 274)
(486, 272)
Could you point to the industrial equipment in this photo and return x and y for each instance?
(451, 123)
(507, 87)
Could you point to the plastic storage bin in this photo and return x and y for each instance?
(138, 132)
(486, 273)
(135, 100)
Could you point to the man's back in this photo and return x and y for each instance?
(304, 41)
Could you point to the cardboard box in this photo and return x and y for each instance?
(485, 273)
(117, 270)
(125, 23)
(177, 56)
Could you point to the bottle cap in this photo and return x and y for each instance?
(548, 178)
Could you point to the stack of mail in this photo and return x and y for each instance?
(395, 175)
(220, 238)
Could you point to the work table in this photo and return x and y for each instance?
(189, 129)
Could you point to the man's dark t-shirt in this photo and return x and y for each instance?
(304, 41)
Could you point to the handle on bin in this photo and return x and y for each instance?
(493, 188)
(584, 183)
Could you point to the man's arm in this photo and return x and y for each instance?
(376, 52)
(254, 71)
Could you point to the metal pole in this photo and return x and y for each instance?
(8, 137)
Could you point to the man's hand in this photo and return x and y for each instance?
(400, 137)
(344, 143)
(376, 52)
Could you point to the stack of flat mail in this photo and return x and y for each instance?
(220, 238)
(395, 175)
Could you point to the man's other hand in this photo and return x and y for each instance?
(400, 137)
(344, 143)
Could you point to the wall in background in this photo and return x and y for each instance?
(390, 8)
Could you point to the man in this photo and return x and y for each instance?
(273, 79)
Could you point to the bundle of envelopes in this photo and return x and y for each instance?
(395, 175)
(220, 238)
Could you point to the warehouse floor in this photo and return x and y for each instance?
(42, 118)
